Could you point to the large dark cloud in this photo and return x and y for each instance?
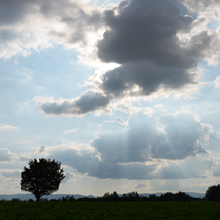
(145, 30)
(147, 76)
(143, 38)
(12, 11)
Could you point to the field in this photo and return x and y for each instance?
(15, 210)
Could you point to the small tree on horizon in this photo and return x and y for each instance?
(43, 177)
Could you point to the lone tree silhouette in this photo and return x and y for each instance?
(42, 178)
(213, 193)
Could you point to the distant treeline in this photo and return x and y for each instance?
(133, 196)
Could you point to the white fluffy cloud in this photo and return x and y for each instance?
(217, 82)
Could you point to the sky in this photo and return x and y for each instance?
(125, 94)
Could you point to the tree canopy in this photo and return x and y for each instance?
(213, 193)
(43, 177)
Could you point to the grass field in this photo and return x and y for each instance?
(14, 210)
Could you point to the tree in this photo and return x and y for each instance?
(167, 197)
(181, 196)
(213, 193)
(114, 195)
(42, 178)
(106, 195)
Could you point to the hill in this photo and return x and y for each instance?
(31, 196)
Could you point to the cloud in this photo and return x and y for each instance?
(217, 82)
(140, 185)
(144, 78)
(197, 167)
(216, 172)
(39, 24)
(206, 14)
(184, 137)
(144, 138)
(6, 155)
(140, 31)
(15, 174)
(142, 148)
(69, 177)
(90, 101)
(142, 37)
(6, 127)
(195, 6)
(147, 31)
(157, 49)
(25, 158)
(13, 11)
(87, 162)
(83, 134)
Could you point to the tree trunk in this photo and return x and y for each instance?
(37, 198)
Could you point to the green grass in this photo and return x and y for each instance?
(13, 210)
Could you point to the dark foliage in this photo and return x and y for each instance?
(167, 197)
(16, 200)
(213, 193)
(41, 178)
(87, 199)
(68, 198)
(134, 196)
(153, 197)
(110, 197)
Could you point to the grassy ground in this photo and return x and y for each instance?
(109, 210)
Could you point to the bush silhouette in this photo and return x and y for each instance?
(43, 177)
